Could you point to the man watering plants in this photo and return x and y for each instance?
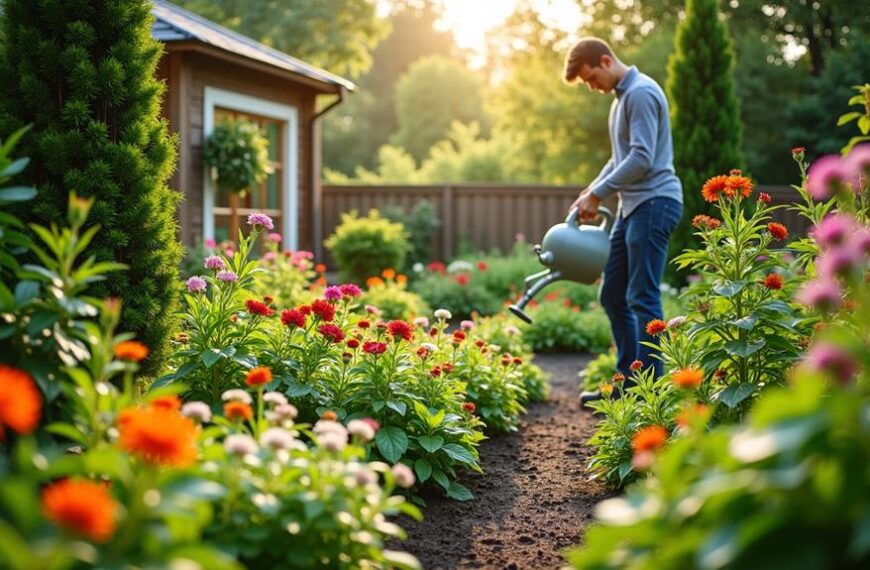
(641, 172)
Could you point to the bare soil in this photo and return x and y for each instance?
(535, 498)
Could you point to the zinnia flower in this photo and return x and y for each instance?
(636, 365)
(238, 411)
(372, 347)
(82, 508)
(737, 183)
(158, 436)
(322, 309)
(443, 314)
(261, 220)
(773, 281)
(258, 308)
(764, 198)
(197, 411)
(649, 438)
(331, 332)
(196, 284)
(688, 378)
(276, 398)
(20, 402)
(656, 327)
(259, 376)
(399, 330)
(618, 377)
(469, 407)
(361, 429)
(333, 293)
(458, 336)
(833, 230)
(131, 350)
(277, 438)
(823, 294)
(702, 221)
(350, 290)
(241, 444)
(826, 176)
(293, 318)
(227, 276)
(274, 237)
(777, 231)
(687, 416)
(215, 263)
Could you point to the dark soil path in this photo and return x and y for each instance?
(534, 499)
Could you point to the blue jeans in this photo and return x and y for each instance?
(630, 292)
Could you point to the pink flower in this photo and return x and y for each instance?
(857, 164)
(210, 243)
(196, 284)
(227, 276)
(466, 325)
(274, 237)
(261, 220)
(823, 293)
(838, 262)
(826, 176)
(215, 263)
(833, 230)
(350, 290)
(333, 293)
(860, 241)
(833, 360)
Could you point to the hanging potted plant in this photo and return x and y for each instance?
(237, 155)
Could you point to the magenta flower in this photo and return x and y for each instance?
(214, 262)
(196, 284)
(466, 325)
(860, 241)
(823, 294)
(350, 290)
(262, 220)
(270, 256)
(274, 237)
(227, 276)
(857, 164)
(210, 243)
(833, 230)
(836, 262)
(831, 359)
(826, 176)
(333, 293)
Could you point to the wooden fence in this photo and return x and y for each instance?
(488, 216)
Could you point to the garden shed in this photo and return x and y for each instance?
(214, 74)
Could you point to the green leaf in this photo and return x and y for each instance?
(399, 407)
(746, 323)
(25, 292)
(729, 288)
(401, 560)
(203, 557)
(68, 431)
(864, 124)
(744, 348)
(392, 442)
(733, 395)
(860, 544)
(848, 117)
(458, 453)
(459, 492)
(430, 443)
(210, 356)
(313, 509)
(16, 167)
(625, 470)
(423, 469)
(441, 478)
(17, 194)
(296, 389)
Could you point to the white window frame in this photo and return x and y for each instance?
(289, 115)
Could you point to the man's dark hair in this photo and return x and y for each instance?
(587, 51)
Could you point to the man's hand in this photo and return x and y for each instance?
(587, 205)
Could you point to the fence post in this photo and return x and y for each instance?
(447, 223)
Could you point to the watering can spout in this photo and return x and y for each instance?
(534, 283)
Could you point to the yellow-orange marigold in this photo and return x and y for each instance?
(132, 350)
(20, 402)
(83, 508)
(649, 438)
(388, 273)
(258, 376)
(655, 327)
(158, 436)
(689, 378)
(172, 403)
(238, 411)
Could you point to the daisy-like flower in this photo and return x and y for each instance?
(197, 411)
(331, 332)
(739, 184)
(293, 318)
(714, 187)
(702, 221)
(373, 347)
(261, 220)
(259, 376)
(826, 176)
(20, 402)
(443, 314)
(352, 343)
(649, 438)
(236, 395)
(258, 308)
(399, 330)
(466, 325)
(656, 327)
(618, 378)
(82, 508)
(350, 290)
(322, 309)
(332, 441)
(131, 350)
(282, 413)
(777, 231)
(421, 322)
(333, 293)
(241, 444)
(403, 475)
(227, 276)
(158, 436)
(215, 263)
(688, 378)
(372, 310)
(677, 322)
(196, 284)
(833, 230)
(361, 429)
(276, 398)
(773, 281)
(277, 438)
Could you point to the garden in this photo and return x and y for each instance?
(237, 403)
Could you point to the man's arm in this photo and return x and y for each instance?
(643, 110)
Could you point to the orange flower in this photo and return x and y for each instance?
(655, 327)
(320, 268)
(777, 231)
(238, 411)
(636, 365)
(20, 402)
(773, 281)
(618, 377)
(738, 183)
(688, 378)
(705, 222)
(649, 438)
(258, 376)
(687, 416)
(158, 436)
(373, 282)
(172, 403)
(388, 273)
(329, 416)
(83, 508)
(131, 350)
(713, 187)
(401, 279)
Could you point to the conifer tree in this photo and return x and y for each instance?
(705, 112)
(82, 73)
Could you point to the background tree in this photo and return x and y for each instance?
(705, 112)
(82, 73)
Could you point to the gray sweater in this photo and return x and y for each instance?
(641, 165)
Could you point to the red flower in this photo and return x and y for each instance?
(372, 347)
(618, 377)
(448, 367)
(437, 267)
(773, 281)
(517, 360)
(482, 266)
(293, 318)
(705, 222)
(259, 376)
(777, 231)
(422, 352)
(171, 403)
(655, 327)
(363, 324)
(764, 197)
(258, 308)
(469, 407)
(353, 343)
(462, 279)
(479, 343)
(458, 336)
(323, 309)
(798, 151)
(399, 330)
(332, 332)
(636, 365)
(435, 372)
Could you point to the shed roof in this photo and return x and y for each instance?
(174, 24)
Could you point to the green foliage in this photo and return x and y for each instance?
(287, 277)
(363, 247)
(461, 293)
(556, 327)
(862, 117)
(435, 92)
(13, 241)
(704, 109)
(600, 370)
(421, 224)
(237, 154)
(82, 74)
(394, 300)
(337, 35)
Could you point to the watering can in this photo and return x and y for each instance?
(569, 251)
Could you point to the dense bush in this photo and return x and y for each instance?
(363, 247)
(237, 154)
(421, 223)
(461, 293)
(392, 298)
(557, 327)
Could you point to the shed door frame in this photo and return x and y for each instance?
(215, 97)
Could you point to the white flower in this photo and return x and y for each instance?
(333, 440)
(676, 322)
(277, 438)
(362, 429)
(239, 444)
(365, 476)
(237, 395)
(329, 426)
(198, 411)
(421, 322)
(403, 474)
(443, 314)
(429, 346)
(282, 413)
(460, 265)
(418, 267)
(276, 398)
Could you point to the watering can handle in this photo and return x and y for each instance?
(602, 211)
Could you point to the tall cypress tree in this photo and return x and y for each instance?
(705, 111)
(82, 73)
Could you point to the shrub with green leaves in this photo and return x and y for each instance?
(556, 327)
(462, 293)
(421, 223)
(237, 154)
(364, 247)
(600, 370)
(394, 300)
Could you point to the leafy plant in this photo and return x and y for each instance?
(392, 297)
(862, 118)
(237, 154)
(363, 247)
(558, 327)
(600, 370)
(421, 224)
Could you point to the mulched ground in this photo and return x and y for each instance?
(534, 499)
